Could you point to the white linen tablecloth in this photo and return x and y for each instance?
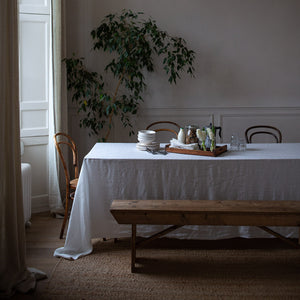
(120, 171)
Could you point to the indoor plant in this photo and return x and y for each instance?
(132, 43)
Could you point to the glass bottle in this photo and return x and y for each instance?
(181, 136)
(191, 136)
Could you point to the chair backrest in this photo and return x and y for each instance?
(61, 139)
(263, 129)
(156, 126)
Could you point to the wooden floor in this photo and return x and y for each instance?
(42, 238)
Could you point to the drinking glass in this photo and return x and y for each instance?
(234, 142)
(242, 144)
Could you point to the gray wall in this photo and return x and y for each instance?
(247, 63)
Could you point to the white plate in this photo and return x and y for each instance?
(143, 147)
(146, 141)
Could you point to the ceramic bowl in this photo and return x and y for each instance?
(146, 133)
(146, 136)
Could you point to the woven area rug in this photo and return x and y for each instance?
(174, 269)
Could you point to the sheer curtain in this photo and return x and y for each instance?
(13, 272)
(58, 109)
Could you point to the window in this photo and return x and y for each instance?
(34, 45)
(35, 93)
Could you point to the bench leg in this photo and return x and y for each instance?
(133, 247)
(286, 240)
(157, 235)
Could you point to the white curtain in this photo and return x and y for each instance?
(58, 109)
(13, 272)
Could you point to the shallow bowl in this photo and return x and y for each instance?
(146, 133)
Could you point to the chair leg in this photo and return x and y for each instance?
(104, 240)
(65, 218)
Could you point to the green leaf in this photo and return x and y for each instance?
(132, 43)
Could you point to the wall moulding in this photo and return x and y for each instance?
(232, 120)
(40, 203)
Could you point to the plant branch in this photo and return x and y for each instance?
(133, 42)
(113, 101)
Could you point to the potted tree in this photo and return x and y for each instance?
(132, 42)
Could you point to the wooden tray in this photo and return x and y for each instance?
(219, 150)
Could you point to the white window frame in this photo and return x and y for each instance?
(35, 7)
(34, 111)
(36, 12)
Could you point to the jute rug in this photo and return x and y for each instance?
(174, 269)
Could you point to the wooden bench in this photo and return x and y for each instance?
(205, 212)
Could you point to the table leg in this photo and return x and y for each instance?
(133, 247)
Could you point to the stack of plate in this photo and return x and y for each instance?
(146, 140)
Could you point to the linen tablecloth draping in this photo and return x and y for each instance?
(120, 171)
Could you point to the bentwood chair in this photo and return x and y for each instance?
(62, 140)
(263, 129)
(156, 126)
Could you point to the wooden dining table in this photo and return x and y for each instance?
(121, 171)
